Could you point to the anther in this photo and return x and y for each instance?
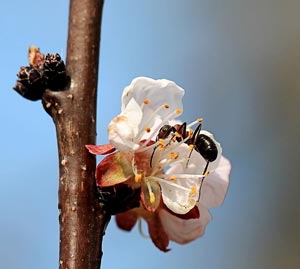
(178, 111)
(173, 178)
(138, 178)
(200, 119)
(193, 190)
(152, 198)
(173, 155)
(166, 106)
(146, 101)
(147, 129)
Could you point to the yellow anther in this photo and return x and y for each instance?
(148, 129)
(206, 173)
(152, 198)
(173, 155)
(173, 178)
(193, 190)
(191, 132)
(200, 119)
(161, 147)
(191, 146)
(166, 106)
(161, 141)
(178, 111)
(146, 101)
(138, 178)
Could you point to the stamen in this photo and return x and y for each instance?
(171, 183)
(146, 101)
(166, 119)
(147, 129)
(182, 176)
(178, 111)
(166, 106)
(151, 194)
(194, 123)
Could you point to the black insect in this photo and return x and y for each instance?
(207, 148)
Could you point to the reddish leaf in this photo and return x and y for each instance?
(114, 169)
(100, 149)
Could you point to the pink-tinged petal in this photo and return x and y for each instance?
(123, 129)
(157, 92)
(114, 169)
(100, 149)
(150, 201)
(184, 231)
(127, 220)
(194, 213)
(215, 185)
(157, 233)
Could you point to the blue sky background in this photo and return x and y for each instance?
(239, 62)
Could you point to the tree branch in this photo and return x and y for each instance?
(82, 220)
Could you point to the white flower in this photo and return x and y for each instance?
(180, 172)
(165, 166)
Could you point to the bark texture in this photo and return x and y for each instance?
(82, 220)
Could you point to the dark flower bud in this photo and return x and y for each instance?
(54, 72)
(30, 83)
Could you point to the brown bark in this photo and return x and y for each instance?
(82, 220)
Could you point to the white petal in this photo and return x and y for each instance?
(123, 129)
(178, 200)
(179, 196)
(184, 231)
(215, 185)
(158, 92)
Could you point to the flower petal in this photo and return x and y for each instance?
(215, 185)
(184, 231)
(114, 169)
(157, 232)
(180, 200)
(157, 92)
(123, 129)
(182, 195)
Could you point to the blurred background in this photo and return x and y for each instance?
(239, 62)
